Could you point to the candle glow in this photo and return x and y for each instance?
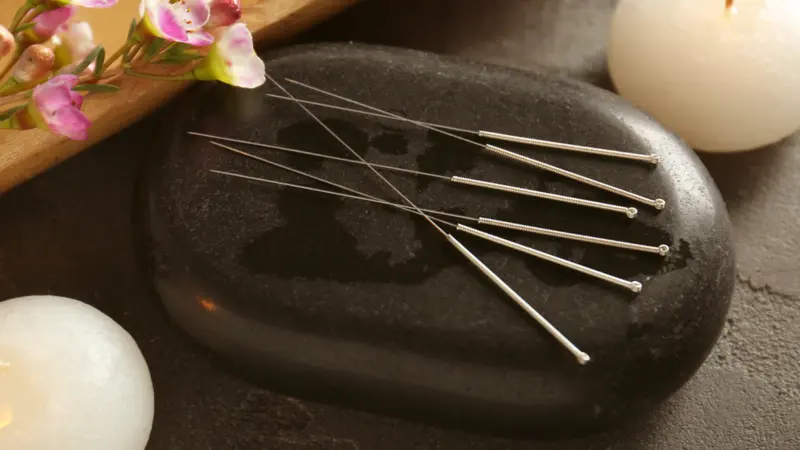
(70, 379)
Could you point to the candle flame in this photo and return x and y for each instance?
(730, 8)
(6, 417)
(207, 304)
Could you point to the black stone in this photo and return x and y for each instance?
(364, 306)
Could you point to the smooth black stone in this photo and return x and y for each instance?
(364, 306)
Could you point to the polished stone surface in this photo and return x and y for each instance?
(69, 232)
(379, 311)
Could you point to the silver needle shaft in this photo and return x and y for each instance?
(362, 196)
(581, 356)
(651, 158)
(354, 153)
(656, 203)
(301, 173)
(633, 286)
(630, 212)
(662, 250)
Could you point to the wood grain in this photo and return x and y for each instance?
(25, 154)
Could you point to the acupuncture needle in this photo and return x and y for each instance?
(630, 212)
(633, 286)
(658, 203)
(648, 158)
(661, 250)
(581, 356)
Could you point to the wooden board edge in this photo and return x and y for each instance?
(23, 155)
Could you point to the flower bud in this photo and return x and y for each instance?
(45, 25)
(72, 45)
(34, 64)
(7, 42)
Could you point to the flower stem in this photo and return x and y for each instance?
(16, 118)
(8, 124)
(134, 52)
(12, 86)
(118, 54)
(10, 65)
(16, 98)
(38, 11)
(21, 12)
(181, 77)
(162, 51)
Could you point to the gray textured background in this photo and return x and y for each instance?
(68, 232)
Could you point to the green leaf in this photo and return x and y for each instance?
(10, 113)
(23, 27)
(177, 48)
(88, 60)
(157, 45)
(101, 60)
(132, 29)
(96, 88)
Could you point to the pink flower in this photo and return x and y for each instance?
(45, 25)
(224, 13)
(232, 60)
(56, 107)
(86, 3)
(177, 20)
(7, 42)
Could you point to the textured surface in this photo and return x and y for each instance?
(69, 232)
(381, 306)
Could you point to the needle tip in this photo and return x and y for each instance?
(636, 287)
(583, 358)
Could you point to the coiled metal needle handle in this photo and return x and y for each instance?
(655, 203)
(633, 286)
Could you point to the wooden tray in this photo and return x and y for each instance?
(25, 154)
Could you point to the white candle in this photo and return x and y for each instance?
(723, 75)
(70, 379)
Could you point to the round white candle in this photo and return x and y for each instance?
(70, 379)
(725, 76)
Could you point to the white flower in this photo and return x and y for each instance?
(72, 45)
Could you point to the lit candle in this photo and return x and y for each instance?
(722, 74)
(70, 379)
